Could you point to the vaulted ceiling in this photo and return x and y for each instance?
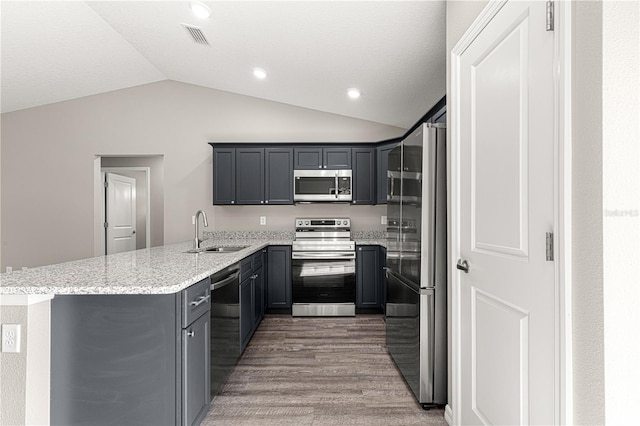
(312, 52)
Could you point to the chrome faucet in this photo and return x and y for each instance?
(197, 240)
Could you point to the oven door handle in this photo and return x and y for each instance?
(323, 255)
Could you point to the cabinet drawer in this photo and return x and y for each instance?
(196, 300)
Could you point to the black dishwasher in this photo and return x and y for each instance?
(225, 325)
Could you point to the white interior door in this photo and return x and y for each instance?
(120, 213)
(505, 175)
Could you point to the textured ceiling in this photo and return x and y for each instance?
(393, 51)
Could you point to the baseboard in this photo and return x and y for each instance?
(448, 415)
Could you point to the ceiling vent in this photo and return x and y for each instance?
(196, 33)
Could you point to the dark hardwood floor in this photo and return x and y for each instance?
(318, 371)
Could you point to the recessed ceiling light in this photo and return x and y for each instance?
(353, 93)
(199, 9)
(259, 73)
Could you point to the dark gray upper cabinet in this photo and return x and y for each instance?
(382, 163)
(308, 158)
(224, 175)
(336, 158)
(249, 176)
(364, 169)
(278, 175)
(252, 175)
(317, 157)
(279, 277)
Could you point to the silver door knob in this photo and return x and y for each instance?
(463, 265)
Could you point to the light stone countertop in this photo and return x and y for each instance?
(158, 270)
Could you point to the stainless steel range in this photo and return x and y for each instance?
(323, 268)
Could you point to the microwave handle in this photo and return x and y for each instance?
(336, 191)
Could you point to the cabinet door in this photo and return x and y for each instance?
(308, 158)
(278, 175)
(246, 312)
(195, 371)
(367, 277)
(249, 175)
(363, 175)
(279, 277)
(258, 297)
(383, 279)
(382, 163)
(224, 175)
(337, 158)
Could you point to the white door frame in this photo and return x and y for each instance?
(562, 209)
(147, 172)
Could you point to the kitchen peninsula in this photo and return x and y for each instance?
(144, 289)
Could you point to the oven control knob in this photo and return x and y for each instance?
(338, 223)
(306, 222)
(346, 223)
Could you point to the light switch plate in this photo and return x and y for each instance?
(263, 220)
(10, 337)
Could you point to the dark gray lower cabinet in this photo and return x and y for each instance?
(252, 295)
(129, 359)
(279, 277)
(369, 278)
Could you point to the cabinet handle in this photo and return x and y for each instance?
(191, 333)
(320, 166)
(200, 301)
(233, 202)
(261, 201)
(266, 202)
(324, 167)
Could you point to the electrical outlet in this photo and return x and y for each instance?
(193, 220)
(263, 220)
(383, 220)
(9, 269)
(10, 337)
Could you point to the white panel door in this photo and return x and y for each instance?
(505, 174)
(120, 213)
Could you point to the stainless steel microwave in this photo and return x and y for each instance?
(322, 185)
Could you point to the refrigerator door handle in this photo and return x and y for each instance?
(427, 343)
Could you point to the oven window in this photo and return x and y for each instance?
(325, 281)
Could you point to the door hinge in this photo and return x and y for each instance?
(106, 184)
(549, 246)
(106, 224)
(549, 16)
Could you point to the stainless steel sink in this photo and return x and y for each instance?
(220, 249)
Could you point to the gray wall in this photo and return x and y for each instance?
(48, 155)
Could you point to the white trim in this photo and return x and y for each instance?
(562, 205)
(23, 299)
(448, 415)
(115, 169)
(563, 209)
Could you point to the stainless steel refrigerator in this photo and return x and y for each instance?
(416, 307)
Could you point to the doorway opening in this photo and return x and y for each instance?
(129, 209)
